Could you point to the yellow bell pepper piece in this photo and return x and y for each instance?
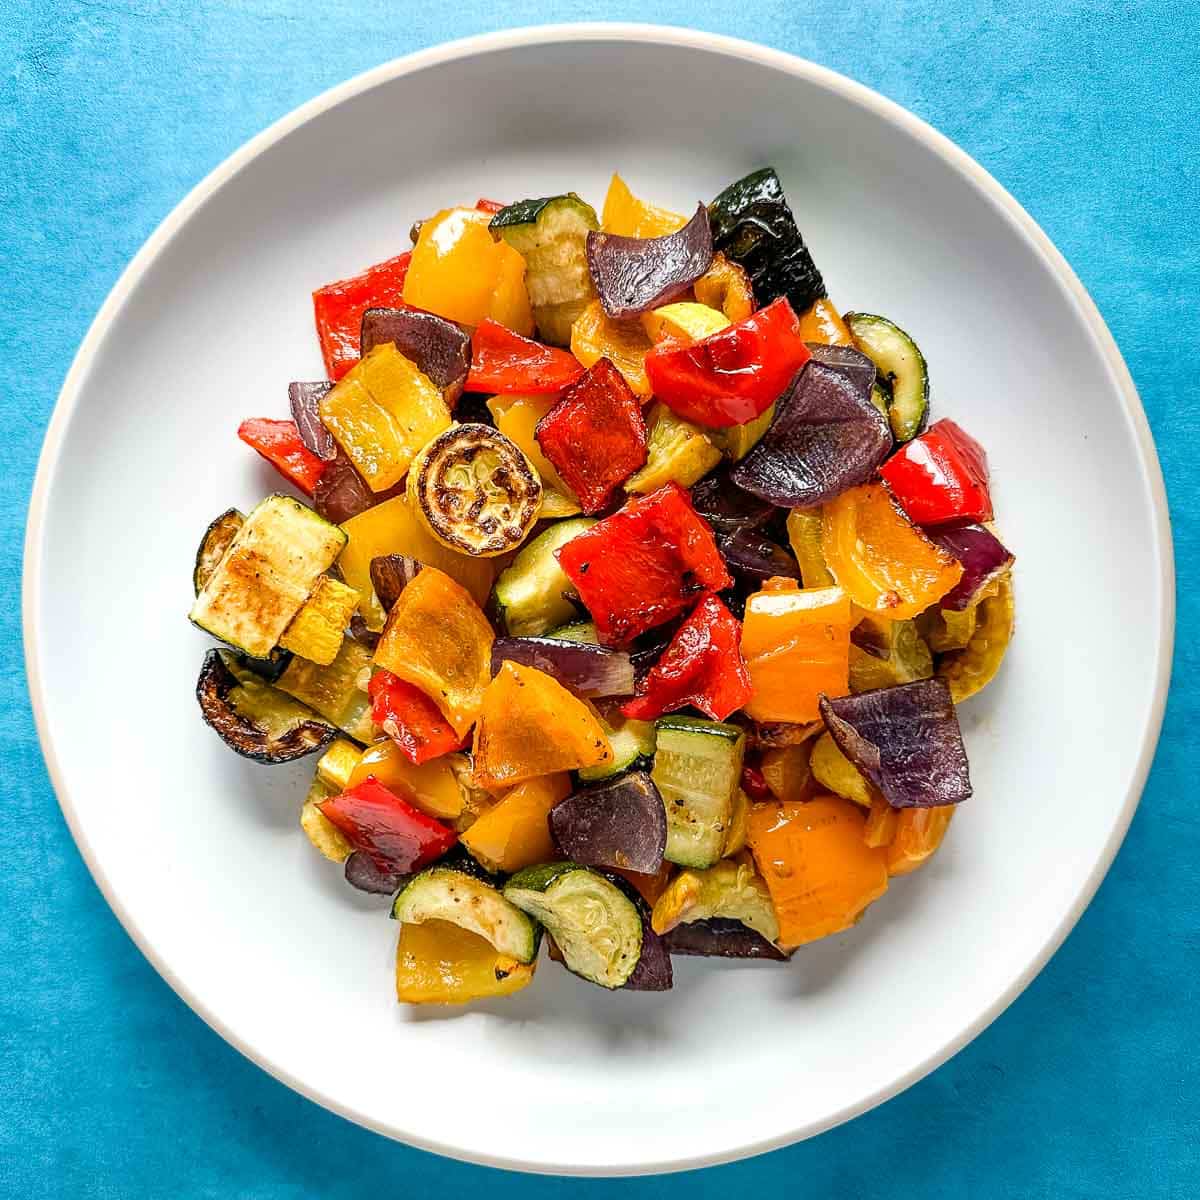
(510, 301)
(835, 772)
(684, 321)
(727, 287)
(595, 336)
(316, 631)
(515, 833)
(337, 764)
(625, 214)
(431, 786)
(822, 323)
(439, 963)
(516, 417)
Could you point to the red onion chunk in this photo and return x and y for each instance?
(721, 937)
(653, 972)
(852, 363)
(390, 575)
(342, 493)
(619, 823)
(584, 669)
(362, 873)
(751, 556)
(826, 437)
(905, 740)
(304, 400)
(982, 555)
(633, 275)
(726, 507)
(437, 347)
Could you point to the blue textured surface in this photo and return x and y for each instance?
(1089, 1086)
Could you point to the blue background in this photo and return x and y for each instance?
(110, 110)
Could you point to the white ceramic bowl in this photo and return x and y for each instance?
(199, 853)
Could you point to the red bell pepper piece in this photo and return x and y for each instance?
(279, 442)
(339, 307)
(595, 435)
(410, 718)
(488, 206)
(503, 361)
(733, 375)
(648, 562)
(754, 784)
(703, 667)
(396, 836)
(941, 476)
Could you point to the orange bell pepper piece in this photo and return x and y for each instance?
(439, 963)
(595, 335)
(919, 832)
(531, 725)
(883, 561)
(796, 643)
(438, 639)
(823, 323)
(625, 214)
(515, 833)
(817, 866)
(432, 786)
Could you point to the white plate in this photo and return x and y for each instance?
(198, 852)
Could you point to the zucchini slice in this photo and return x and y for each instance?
(534, 593)
(576, 631)
(698, 769)
(334, 691)
(901, 366)
(629, 739)
(551, 235)
(253, 718)
(732, 890)
(475, 490)
(217, 539)
(597, 928)
(264, 578)
(473, 904)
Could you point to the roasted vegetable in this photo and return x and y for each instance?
(618, 823)
(719, 937)
(632, 275)
(217, 539)
(786, 770)
(884, 563)
(851, 362)
(970, 670)
(901, 364)
(515, 833)
(826, 437)
(731, 889)
(919, 833)
(949, 628)
(410, 718)
(586, 670)
(624, 343)
(517, 417)
(881, 824)
(905, 740)
(753, 226)
(530, 725)
(984, 559)
(732, 376)
(820, 872)
(628, 216)
(323, 835)
(436, 347)
(822, 325)
(804, 537)
(940, 477)
(653, 972)
(362, 873)
(503, 361)
(676, 452)
(701, 668)
(382, 412)
(726, 507)
(337, 764)
(897, 654)
(595, 435)
(837, 774)
(433, 786)
(736, 441)
(342, 493)
(796, 642)
(551, 236)
(339, 307)
(684, 321)
(438, 639)
(439, 963)
(333, 690)
(754, 558)
(317, 630)
(444, 894)
(253, 718)
(596, 926)
(304, 400)
(534, 593)
(643, 565)
(390, 575)
(475, 490)
(725, 286)
(632, 744)
(265, 576)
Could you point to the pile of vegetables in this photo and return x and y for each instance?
(630, 601)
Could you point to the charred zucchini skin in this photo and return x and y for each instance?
(218, 537)
(753, 226)
(219, 678)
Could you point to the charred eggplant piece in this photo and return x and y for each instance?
(619, 823)
(587, 670)
(253, 718)
(826, 437)
(720, 937)
(633, 275)
(390, 575)
(753, 226)
(905, 740)
(304, 398)
(218, 537)
(983, 556)
(439, 348)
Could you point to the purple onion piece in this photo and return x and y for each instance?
(362, 633)
(584, 669)
(649, 647)
(726, 507)
(362, 873)
(633, 275)
(852, 363)
(305, 399)
(721, 937)
(342, 493)
(390, 575)
(751, 556)
(983, 557)
(826, 437)
(618, 823)
(439, 348)
(905, 740)
(653, 972)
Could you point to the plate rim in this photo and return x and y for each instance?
(675, 37)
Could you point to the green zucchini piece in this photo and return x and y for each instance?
(265, 576)
(597, 927)
(533, 593)
(630, 740)
(471, 903)
(253, 718)
(577, 631)
(217, 539)
(729, 890)
(334, 691)
(902, 366)
(697, 768)
(551, 235)
(753, 226)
